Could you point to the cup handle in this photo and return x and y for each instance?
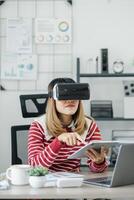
(8, 173)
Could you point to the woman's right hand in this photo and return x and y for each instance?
(71, 138)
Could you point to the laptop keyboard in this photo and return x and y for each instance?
(103, 180)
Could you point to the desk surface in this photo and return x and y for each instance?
(86, 191)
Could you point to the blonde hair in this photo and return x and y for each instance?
(54, 124)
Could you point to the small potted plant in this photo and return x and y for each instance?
(37, 176)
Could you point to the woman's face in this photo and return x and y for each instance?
(67, 107)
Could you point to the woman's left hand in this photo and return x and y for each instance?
(97, 157)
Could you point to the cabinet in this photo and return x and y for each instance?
(99, 75)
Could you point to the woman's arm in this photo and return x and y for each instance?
(94, 134)
(41, 151)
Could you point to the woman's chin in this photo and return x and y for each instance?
(69, 112)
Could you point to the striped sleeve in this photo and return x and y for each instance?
(94, 134)
(39, 151)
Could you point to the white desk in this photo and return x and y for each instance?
(86, 191)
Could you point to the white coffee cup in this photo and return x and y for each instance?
(18, 174)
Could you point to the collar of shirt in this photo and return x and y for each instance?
(71, 127)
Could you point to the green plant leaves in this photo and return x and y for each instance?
(38, 171)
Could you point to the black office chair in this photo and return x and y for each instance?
(19, 136)
(32, 105)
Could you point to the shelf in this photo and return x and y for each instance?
(113, 119)
(99, 75)
(107, 75)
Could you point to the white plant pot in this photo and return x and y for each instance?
(37, 181)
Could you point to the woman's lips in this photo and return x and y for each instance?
(70, 105)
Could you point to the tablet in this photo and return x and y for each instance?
(95, 145)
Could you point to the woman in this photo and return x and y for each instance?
(60, 132)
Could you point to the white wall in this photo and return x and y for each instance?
(104, 24)
(53, 61)
(96, 24)
(10, 114)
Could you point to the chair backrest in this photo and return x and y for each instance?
(19, 137)
(33, 105)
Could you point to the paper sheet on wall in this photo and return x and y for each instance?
(18, 67)
(53, 31)
(19, 36)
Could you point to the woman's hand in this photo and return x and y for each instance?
(97, 157)
(70, 138)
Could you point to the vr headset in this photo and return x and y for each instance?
(70, 91)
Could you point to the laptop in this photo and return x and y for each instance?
(123, 173)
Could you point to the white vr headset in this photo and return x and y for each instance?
(70, 91)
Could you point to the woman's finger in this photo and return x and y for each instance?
(79, 138)
(104, 150)
(74, 139)
(70, 140)
(91, 154)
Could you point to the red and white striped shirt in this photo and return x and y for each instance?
(46, 150)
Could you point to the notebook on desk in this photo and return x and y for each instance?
(123, 173)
